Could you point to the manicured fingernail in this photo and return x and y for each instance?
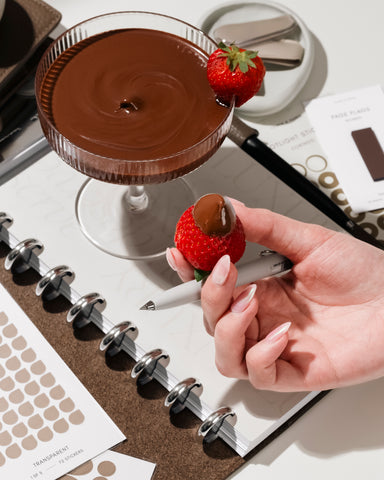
(276, 334)
(244, 299)
(170, 259)
(221, 270)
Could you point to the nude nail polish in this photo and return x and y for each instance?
(170, 259)
(278, 332)
(221, 270)
(244, 299)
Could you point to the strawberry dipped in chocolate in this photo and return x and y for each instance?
(208, 230)
(235, 74)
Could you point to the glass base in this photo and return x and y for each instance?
(120, 225)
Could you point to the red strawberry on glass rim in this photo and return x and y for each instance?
(208, 230)
(234, 72)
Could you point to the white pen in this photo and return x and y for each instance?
(267, 264)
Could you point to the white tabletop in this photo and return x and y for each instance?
(343, 435)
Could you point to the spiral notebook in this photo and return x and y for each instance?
(41, 201)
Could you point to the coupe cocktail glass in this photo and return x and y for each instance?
(130, 203)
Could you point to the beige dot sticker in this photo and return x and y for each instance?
(2, 372)
(13, 451)
(61, 426)
(32, 388)
(16, 396)
(47, 380)
(38, 368)
(76, 417)
(19, 343)
(5, 351)
(57, 392)
(3, 404)
(20, 430)
(7, 384)
(41, 400)
(45, 434)
(106, 468)
(23, 376)
(26, 409)
(29, 443)
(83, 469)
(35, 422)
(2, 460)
(51, 413)
(13, 364)
(10, 417)
(316, 163)
(5, 439)
(28, 355)
(67, 405)
(10, 331)
(3, 319)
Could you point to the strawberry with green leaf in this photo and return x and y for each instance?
(234, 72)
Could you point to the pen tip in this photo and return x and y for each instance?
(148, 306)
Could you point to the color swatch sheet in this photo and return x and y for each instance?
(49, 422)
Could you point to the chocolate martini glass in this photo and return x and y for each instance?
(123, 98)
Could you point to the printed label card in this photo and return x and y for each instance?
(350, 129)
(49, 422)
(112, 466)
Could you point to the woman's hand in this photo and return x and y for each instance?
(317, 327)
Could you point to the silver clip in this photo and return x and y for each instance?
(5, 220)
(211, 426)
(49, 285)
(112, 341)
(80, 313)
(143, 370)
(18, 258)
(177, 397)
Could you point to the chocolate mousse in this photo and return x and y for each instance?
(137, 104)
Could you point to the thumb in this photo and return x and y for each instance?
(291, 238)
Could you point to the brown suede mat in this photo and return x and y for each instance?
(151, 434)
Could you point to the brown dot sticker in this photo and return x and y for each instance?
(19, 343)
(76, 417)
(20, 430)
(23, 376)
(371, 228)
(3, 404)
(7, 384)
(83, 469)
(10, 417)
(10, 331)
(106, 468)
(67, 477)
(13, 363)
(41, 400)
(100, 478)
(13, 451)
(2, 372)
(5, 439)
(35, 422)
(47, 380)
(16, 396)
(2, 460)
(26, 409)
(32, 388)
(3, 319)
(38, 368)
(57, 392)
(45, 434)
(328, 180)
(51, 413)
(29, 443)
(28, 355)
(61, 426)
(5, 351)
(357, 217)
(67, 405)
(338, 196)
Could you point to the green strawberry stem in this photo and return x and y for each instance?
(200, 275)
(237, 58)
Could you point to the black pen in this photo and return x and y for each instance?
(247, 138)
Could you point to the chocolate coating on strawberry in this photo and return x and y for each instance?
(214, 215)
